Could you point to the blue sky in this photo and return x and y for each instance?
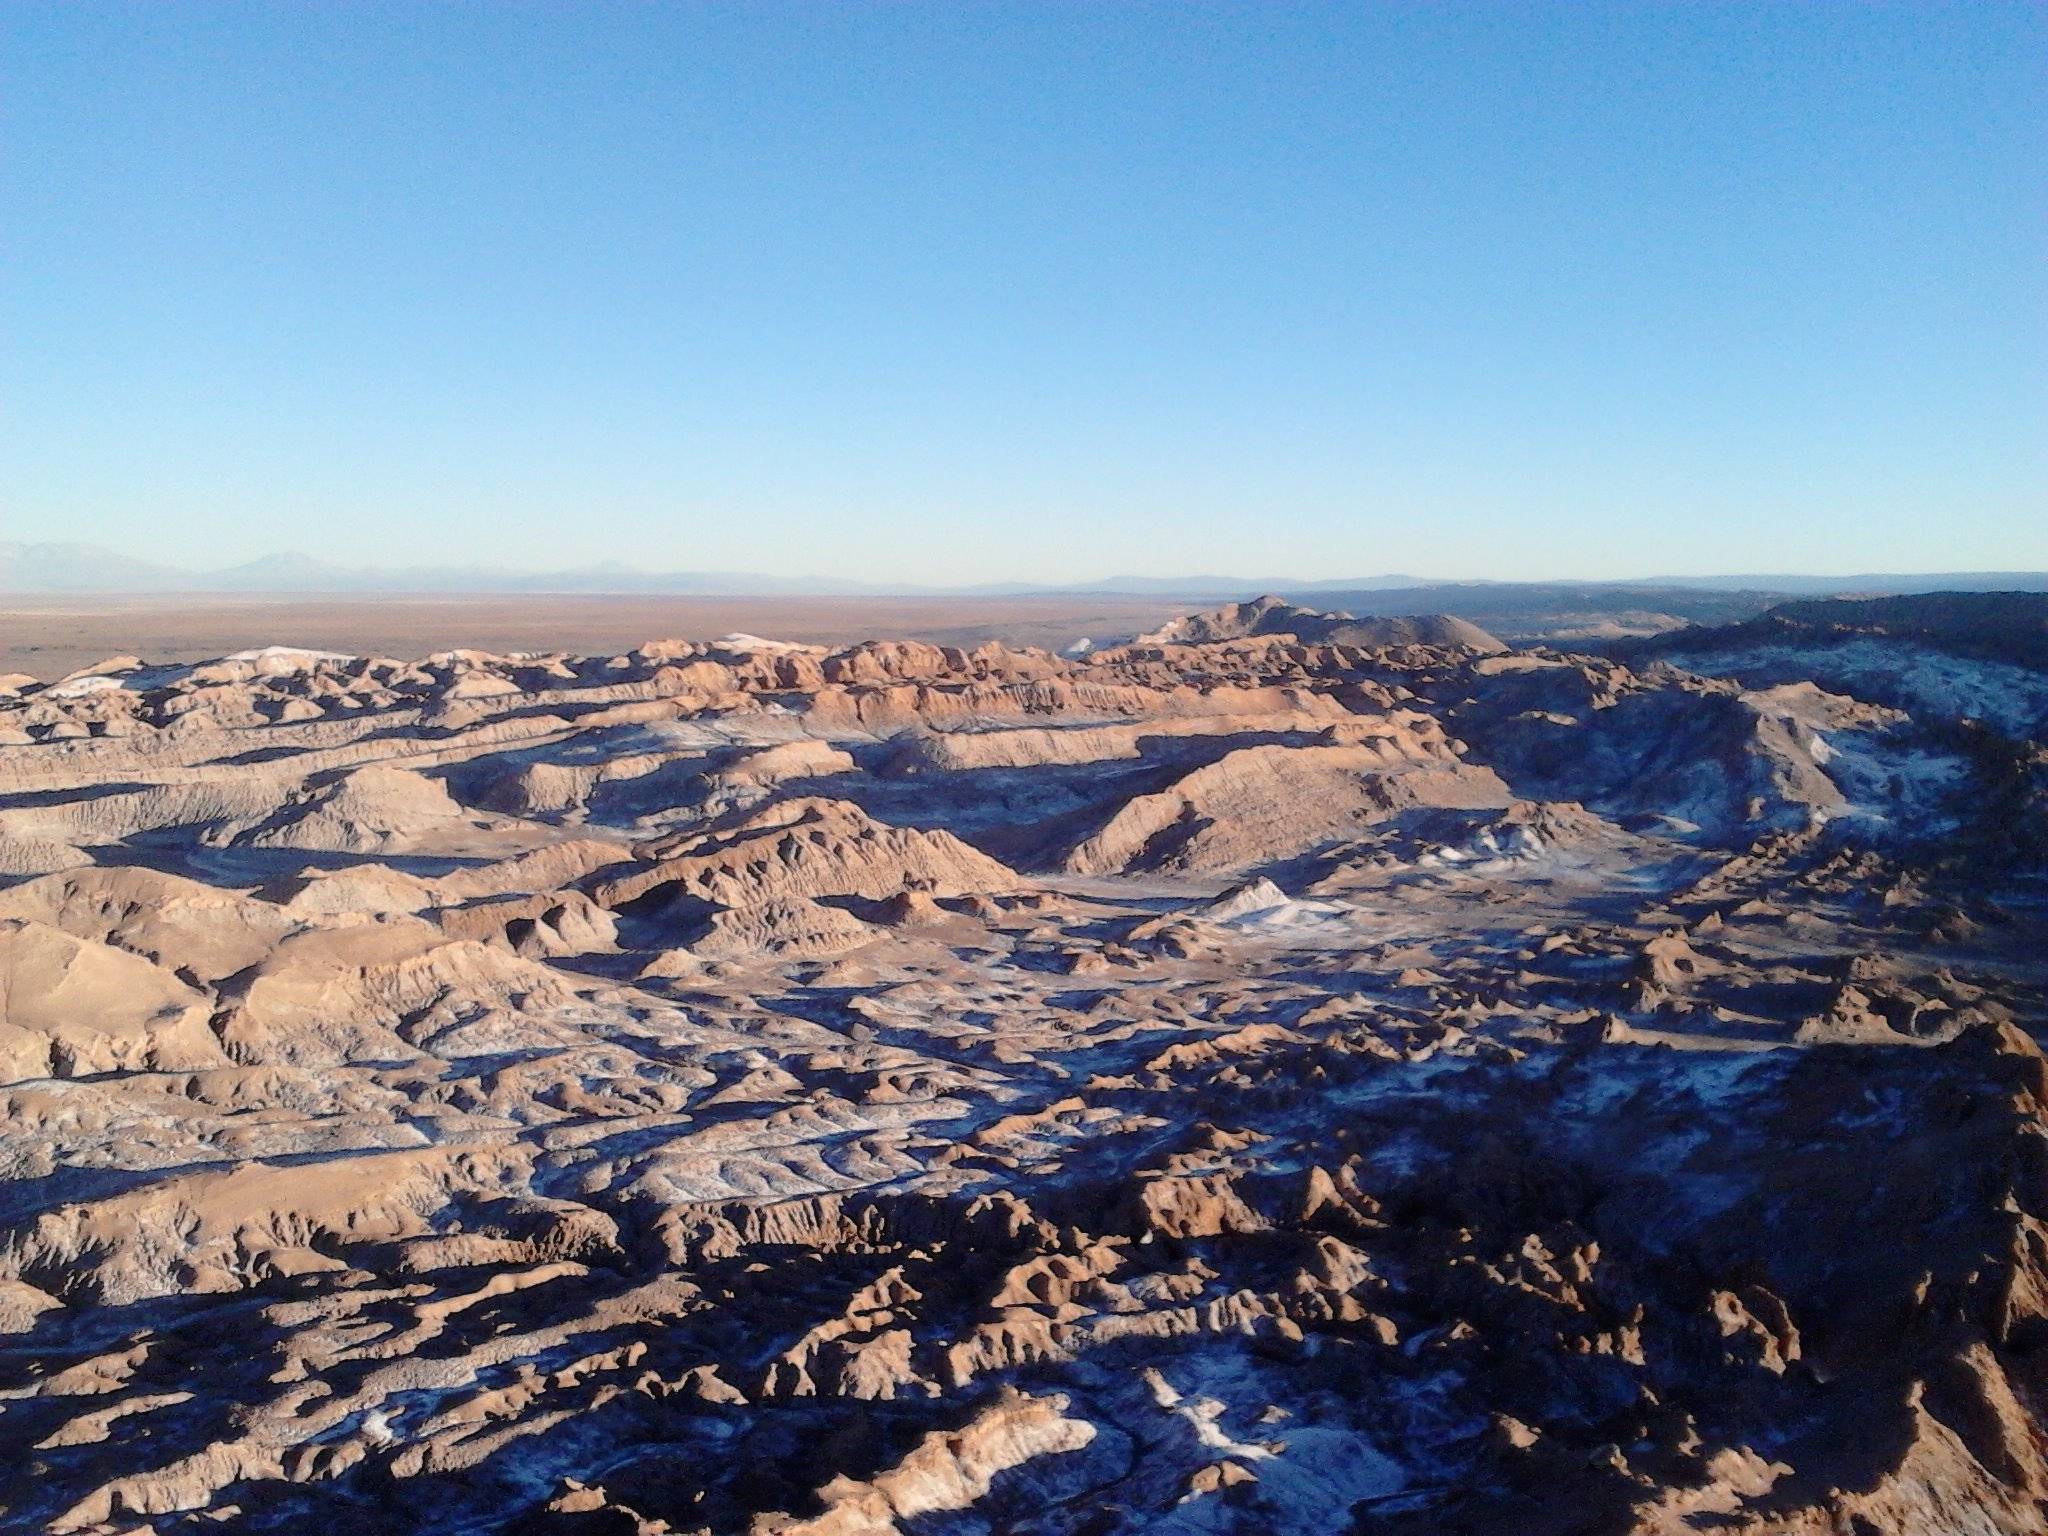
(986, 291)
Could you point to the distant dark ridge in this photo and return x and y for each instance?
(1993, 626)
(2011, 626)
(1868, 584)
(1532, 610)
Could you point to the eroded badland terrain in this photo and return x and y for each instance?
(1279, 1075)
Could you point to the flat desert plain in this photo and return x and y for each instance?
(48, 636)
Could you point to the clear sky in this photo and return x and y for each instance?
(984, 291)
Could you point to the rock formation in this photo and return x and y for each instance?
(1288, 1073)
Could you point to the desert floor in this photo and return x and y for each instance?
(50, 636)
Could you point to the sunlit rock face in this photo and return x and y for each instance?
(1281, 1074)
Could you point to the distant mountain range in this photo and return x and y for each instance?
(82, 568)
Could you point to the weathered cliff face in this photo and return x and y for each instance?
(1275, 1076)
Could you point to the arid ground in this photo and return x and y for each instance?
(50, 635)
(1287, 1073)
